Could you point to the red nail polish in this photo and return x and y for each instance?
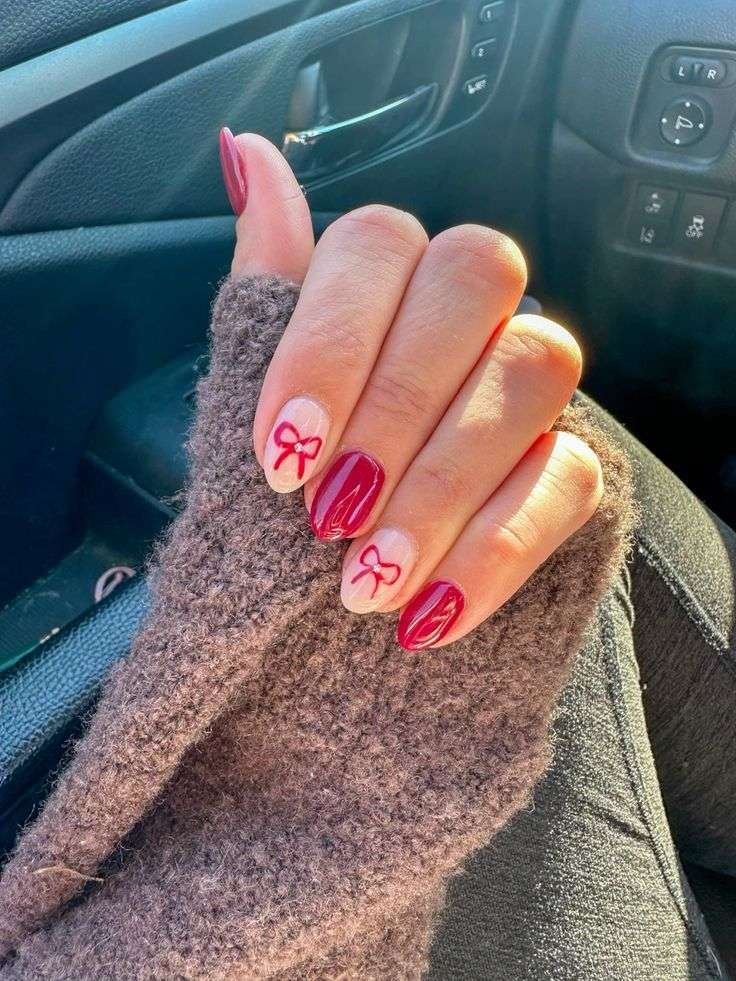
(427, 618)
(346, 495)
(233, 171)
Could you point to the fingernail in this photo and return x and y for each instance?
(377, 571)
(427, 618)
(295, 443)
(233, 171)
(346, 495)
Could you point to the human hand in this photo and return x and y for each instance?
(411, 403)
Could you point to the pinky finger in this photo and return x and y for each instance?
(551, 493)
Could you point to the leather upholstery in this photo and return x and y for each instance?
(28, 31)
(41, 699)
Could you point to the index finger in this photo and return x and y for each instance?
(355, 283)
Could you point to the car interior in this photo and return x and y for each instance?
(598, 134)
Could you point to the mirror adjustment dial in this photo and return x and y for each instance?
(684, 121)
(688, 104)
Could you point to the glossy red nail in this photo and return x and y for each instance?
(233, 171)
(427, 618)
(346, 495)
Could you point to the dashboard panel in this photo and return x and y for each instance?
(641, 224)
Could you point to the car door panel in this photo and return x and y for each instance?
(152, 156)
(26, 34)
(113, 216)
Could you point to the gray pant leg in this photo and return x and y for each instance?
(586, 886)
(684, 593)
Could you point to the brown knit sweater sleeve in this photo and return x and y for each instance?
(292, 790)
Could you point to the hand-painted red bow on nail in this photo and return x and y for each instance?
(287, 436)
(386, 572)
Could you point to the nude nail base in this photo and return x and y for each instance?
(295, 444)
(377, 571)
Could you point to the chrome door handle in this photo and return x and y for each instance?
(316, 151)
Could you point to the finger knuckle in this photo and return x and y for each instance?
(580, 469)
(391, 229)
(484, 253)
(449, 485)
(345, 338)
(545, 348)
(507, 544)
(401, 399)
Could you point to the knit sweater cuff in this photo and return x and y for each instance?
(314, 785)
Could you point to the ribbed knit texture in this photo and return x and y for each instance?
(271, 787)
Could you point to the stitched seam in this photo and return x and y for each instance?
(691, 605)
(607, 633)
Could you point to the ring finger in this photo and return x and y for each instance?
(515, 393)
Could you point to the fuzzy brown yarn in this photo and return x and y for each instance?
(270, 785)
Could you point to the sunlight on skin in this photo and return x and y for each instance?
(413, 426)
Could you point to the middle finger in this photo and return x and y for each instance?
(469, 280)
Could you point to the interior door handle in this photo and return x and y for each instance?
(316, 151)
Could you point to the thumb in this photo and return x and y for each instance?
(274, 226)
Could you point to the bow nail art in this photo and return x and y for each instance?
(376, 572)
(386, 572)
(295, 443)
(287, 436)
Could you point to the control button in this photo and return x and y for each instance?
(684, 121)
(682, 69)
(483, 50)
(710, 73)
(475, 86)
(489, 13)
(655, 203)
(727, 243)
(697, 223)
(649, 234)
